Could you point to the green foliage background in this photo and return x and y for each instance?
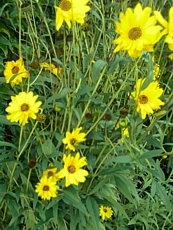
(133, 176)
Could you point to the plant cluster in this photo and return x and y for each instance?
(86, 115)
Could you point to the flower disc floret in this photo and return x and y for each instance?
(15, 71)
(72, 171)
(22, 107)
(46, 188)
(71, 11)
(147, 100)
(137, 31)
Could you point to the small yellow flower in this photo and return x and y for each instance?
(15, 71)
(52, 172)
(71, 11)
(105, 212)
(72, 139)
(52, 68)
(137, 31)
(22, 107)
(125, 132)
(147, 100)
(72, 169)
(46, 188)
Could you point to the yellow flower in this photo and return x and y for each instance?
(15, 71)
(52, 68)
(168, 29)
(72, 139)
(22, 107)
(105, 212)
(125, 132)
(52, 172)
(46, 188)
(71, 11)
(137, 31)
(72, 169)
(147, 100)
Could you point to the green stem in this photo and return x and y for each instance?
(47, 27)
(89, 101)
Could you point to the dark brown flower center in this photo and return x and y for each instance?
(50, 173)
(15, 70)
(65, 5)
(46, 188)
(24, 107)
(73, 141)
(135, 33)
(143, 99)
(71, 169)
(105, 210)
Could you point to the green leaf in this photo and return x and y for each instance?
(71, 197)
(151, 154)
(123, 188)
(157, 171)
(93, 210)
(130, 185)
(78, 113)
(48, 147)
(95, 136)
(4, 48)
(2, 191)
(160, 190)
(56, 96)
(97, 68)
(98, 186)
(147, 81)
(121, 159)
(41, 212)
(4, 143)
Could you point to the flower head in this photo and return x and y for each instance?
(72, 139)
(46, 188)
(52, 68)
(71, 11)
(15, 71)
(72, 169)
(52, 172)
(147, 100)
(137, 31)
(22, 107)
(105, 212)
(168, 29)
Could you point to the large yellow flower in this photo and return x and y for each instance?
(72, 139)
(15, 71)
(168, 28)
(147, 100)
(46, 188)
(137, 31)
(22, 107)
(105, 212)
(71, 11)
(72, 169)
